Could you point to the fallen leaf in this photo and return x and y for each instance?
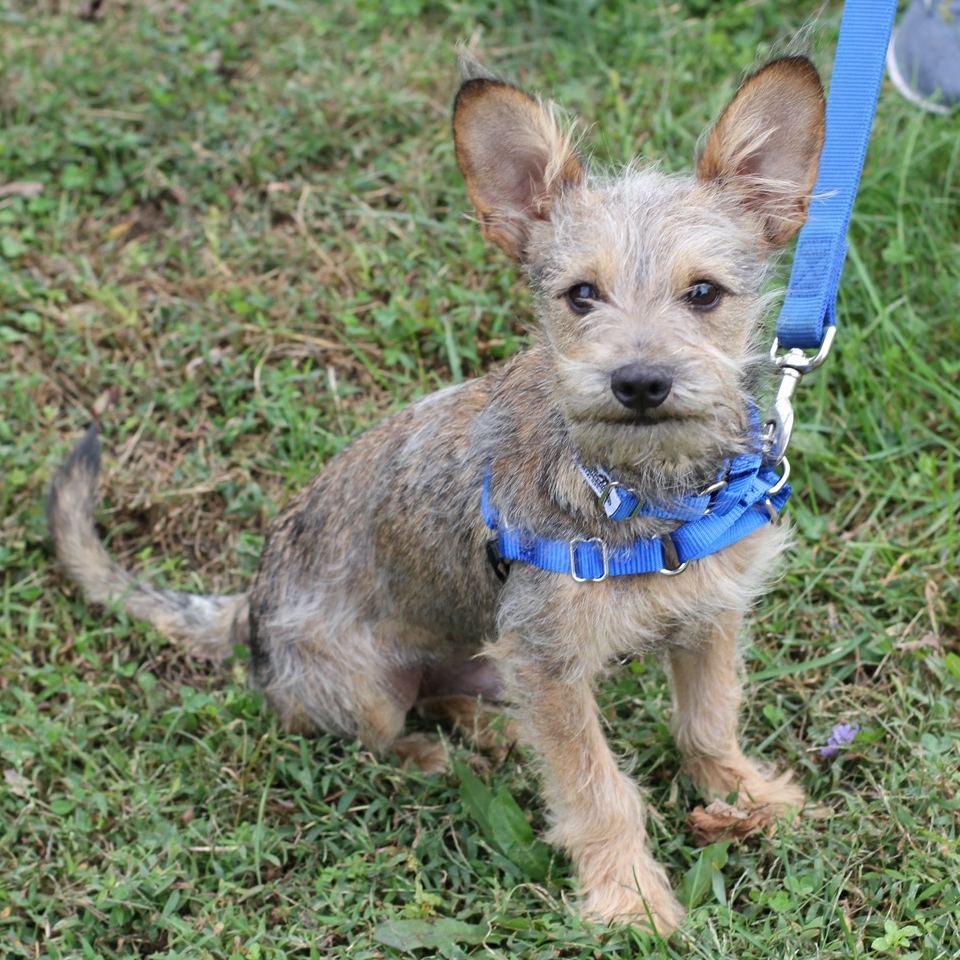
(21, 188)
(410, 935)
(119, 230)
(929, 641)
(103, 403)
(721, 821)
(19, 785)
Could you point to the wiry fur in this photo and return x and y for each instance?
(373, 592)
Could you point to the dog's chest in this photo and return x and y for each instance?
(639, 614)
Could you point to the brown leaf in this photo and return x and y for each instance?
(104, 402)
(21, 188)
(19, 785)
(929, 641)
(721, 821)
(119, 230)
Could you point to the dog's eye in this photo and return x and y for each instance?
(582, 297)
(703, 295)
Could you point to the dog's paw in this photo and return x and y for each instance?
(753, 785)
(641, 897)
(779, 795)
(425, 753)
(482, 724)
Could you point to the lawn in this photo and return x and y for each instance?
(243, 240)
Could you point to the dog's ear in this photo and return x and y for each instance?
(514, 158)
(765, 148)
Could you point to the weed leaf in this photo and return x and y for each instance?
(412, 935)
(703, 877)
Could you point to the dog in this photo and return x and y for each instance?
(466, 547)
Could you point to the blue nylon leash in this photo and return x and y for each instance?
(811, 302)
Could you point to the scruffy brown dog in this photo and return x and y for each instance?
(375, 591)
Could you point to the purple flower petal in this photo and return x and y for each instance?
(842, 735)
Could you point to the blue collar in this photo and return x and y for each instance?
(747, 494)
(620, 502)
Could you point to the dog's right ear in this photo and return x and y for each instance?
(514, 158)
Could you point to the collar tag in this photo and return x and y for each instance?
(617, 501)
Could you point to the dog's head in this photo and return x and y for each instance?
(648, 287)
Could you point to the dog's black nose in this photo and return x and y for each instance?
(640, 387)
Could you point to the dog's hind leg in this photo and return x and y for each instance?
(371, 706)
(339, 680)
(385, 704)
(706, 700)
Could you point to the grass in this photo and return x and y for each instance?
(250, 244)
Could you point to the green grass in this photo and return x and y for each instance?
(250, 244)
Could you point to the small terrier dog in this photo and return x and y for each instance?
(374, 592)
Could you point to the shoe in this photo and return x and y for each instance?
(923, 59)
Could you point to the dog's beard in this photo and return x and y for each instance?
(671, 456)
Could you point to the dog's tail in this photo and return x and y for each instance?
(208, 625)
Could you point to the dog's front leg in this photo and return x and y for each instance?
(596, 811)
(706, 702)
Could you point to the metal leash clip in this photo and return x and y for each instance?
(794, 364)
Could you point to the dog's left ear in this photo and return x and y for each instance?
(765, 148)
(515, 159)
